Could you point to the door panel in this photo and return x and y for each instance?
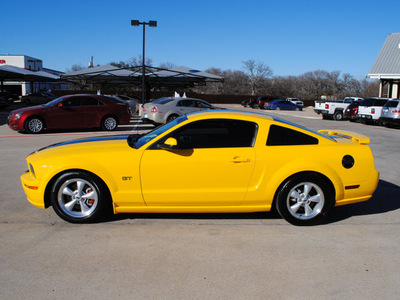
(196, 177)
(63, 117)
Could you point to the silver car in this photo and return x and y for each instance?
(391, 113)
(165, 110)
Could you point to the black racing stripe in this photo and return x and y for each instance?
(87, 140)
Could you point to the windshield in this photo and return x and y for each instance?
(156, 132)
(51, 103)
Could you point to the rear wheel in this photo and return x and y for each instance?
(338, 115)
(79, 197)
(277, 108)
(172, 117)
(34, 125)
(109, 123)
(304, 200)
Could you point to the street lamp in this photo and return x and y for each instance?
(151, 24)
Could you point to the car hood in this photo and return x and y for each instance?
(29, 109)
(88, 142)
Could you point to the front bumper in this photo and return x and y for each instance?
(14, 124)
(33, 189)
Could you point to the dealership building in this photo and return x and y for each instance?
(32, 64)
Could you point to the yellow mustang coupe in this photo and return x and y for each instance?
(220, 161)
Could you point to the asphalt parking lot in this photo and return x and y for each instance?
(355, 255)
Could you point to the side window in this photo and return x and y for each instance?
(72, 101)
(186, 103)
(202, 104)
(380, 102)
(282, 136)
(89, 101)
(216, 133)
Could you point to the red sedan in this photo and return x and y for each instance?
(73, 111)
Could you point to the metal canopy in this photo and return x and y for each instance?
(155, 77)
(13, 73)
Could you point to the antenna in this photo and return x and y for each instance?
(91, 62)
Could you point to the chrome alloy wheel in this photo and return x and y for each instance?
(77, 198)
(35, 125)
(305, 200)
(110, 123)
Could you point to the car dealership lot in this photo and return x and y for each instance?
(238, 256)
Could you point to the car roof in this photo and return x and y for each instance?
(223, 113)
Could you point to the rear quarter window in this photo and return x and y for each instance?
(283, 136)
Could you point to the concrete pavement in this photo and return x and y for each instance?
(355, 255)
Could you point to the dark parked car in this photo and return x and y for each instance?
(351, 111)
(283, 105)
(3, 102)
(10, 97)
(73, 111)
(262, 102)
(249, 102)
(37, 98)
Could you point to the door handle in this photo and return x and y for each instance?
(238, 160)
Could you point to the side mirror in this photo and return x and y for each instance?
(169, 144)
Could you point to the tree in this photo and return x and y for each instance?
(256, 73)
(75, 67)
(167, 65)
(133, 62)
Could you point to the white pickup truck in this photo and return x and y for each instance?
(333, 109)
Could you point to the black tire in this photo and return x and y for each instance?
(297, 109)
(304, 200)
(172, 117)
(109, 123)
(79, 197)
(34, 125)
(338, 115)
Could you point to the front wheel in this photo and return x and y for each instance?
(109, 123)
(304, 200)
(79, 197)
(277, 108)
(34, 125)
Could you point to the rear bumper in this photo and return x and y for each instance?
(362, 193)
(390, 121)
(322, 111)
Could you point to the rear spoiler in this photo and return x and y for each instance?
(355, 137)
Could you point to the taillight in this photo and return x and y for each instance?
(372, 110)
(143, 108)
(154, 109)
(326, 106)
(396, 111)
(356, 109)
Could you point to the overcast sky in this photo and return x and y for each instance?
(292, 37)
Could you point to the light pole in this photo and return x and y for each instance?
(151, 24)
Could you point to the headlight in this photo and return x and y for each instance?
(32, 170)
(17, 116)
